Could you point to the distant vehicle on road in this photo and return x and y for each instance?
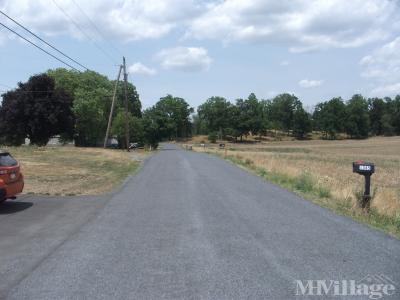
(11, 178)
(136, 146)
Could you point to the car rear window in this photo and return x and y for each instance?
(6, 160)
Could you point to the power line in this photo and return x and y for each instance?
(38, 37)
(82, 31)
(96, 28)
(40, 48)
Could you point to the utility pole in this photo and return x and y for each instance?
(112, 107)
(126, 106)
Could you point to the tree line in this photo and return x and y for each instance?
(357, 117)
(76, 105)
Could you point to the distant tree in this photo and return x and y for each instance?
(248, 116)
(233, 129)
(91, 116)
(37, 110)
(329, 117)
(357, 117)
(199, 125)
(393, 118)
(282, 111)
(215, 114)
(134, 104)
(387, 124)
(172, 115)
(151, 128)
(266, 123)
(377, 111)
(92, 95)
(302, 124)
(254, 114)
(136, 130)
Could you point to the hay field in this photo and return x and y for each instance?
(329, 165)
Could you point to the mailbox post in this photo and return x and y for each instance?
(366, 169)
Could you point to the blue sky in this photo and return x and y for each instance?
(197, 49)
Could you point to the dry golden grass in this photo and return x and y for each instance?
(329, 164)
(72, 170)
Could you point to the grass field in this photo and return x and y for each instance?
(322, 171)
(72, 170)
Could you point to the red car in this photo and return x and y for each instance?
(11, 179)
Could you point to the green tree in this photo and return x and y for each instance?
(357, 117)
(134, 104)
(37, 110)
(199, 126)
(233, 129)
(215, 114)
(92, 95)
(151, 128)
(136, 130)
(91, 116)
(393, 107)
(329, 117)
(172, 115)
(377, 111)
(266, 123)
(248, 116)
(282, 111)
(301, 123)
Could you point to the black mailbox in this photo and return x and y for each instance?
(366, 169)
(363, 168)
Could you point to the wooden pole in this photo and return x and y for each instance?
(112, 107)
(126, 106)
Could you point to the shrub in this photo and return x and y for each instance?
(397, 222)
(248, 162)
(363, 202)
(324, 192)
(304, 183)
(263, 172)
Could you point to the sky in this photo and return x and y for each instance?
(195, 49)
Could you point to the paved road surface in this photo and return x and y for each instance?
(187, 226)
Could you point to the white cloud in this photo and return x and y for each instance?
(141, 69)
(188, 59)
(125, 20)
(306, 83)
(302, 25)
(382, 67)
(285, 63)
(387, 90)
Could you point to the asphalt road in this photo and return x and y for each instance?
(187, 226)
